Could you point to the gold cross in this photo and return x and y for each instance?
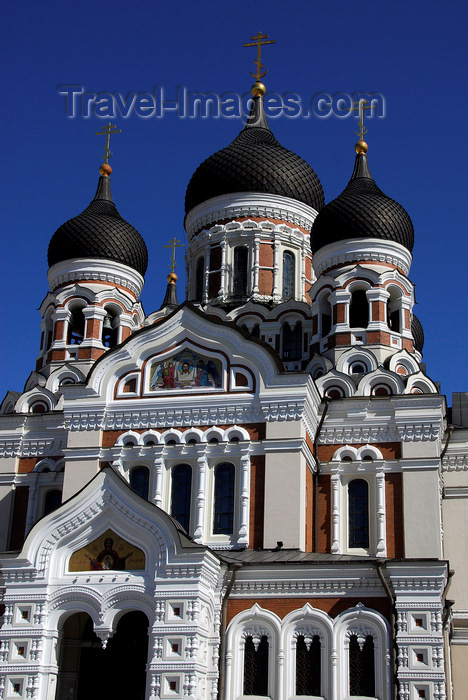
(257, 41)
(174, 244)
(107, 131)
(361, 106)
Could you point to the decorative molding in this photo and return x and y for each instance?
(362, 250)
(100, 270)
(245, 204)
(455, 463)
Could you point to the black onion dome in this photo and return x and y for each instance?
(362, 210)
(418, 333)
(99, 232)
(255, 162)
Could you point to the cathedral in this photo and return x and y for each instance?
(256, 493)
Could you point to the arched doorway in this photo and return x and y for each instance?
(89, 672)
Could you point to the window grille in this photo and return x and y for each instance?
(256, 667)
(361, 667)
(288, 275)
(240, 271)
(223, 517)
(139, 481)
(358, 513)
(181, 494)
(308, 679)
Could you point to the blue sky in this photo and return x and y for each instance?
(413, 53)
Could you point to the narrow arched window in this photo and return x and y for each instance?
(110, 329)
(139, 481)
(292, 342)
(308, 662)
(393, 316)
(256, 666)
(358, 513)
(240, 271)
(200, 279)
(223, 516)
(361, 666)
(359, 310)
(288, 275)
(76, 327)
(325, 315)
(181, 494)
(52, 500)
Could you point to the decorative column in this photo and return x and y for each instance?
(158, 478)
(222, 289)
(207, 274)
(199, 534)
(243, 538)
(381, 534)
(303, 269)
(62, 318)
(94, 317)
(377, 300)
(256, 265)
(276, 252)
(339, 301)
(335, 510)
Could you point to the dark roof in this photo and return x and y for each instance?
(99, 232)
(284, 556)
(418, 333)
(362, 210)
(255, 162)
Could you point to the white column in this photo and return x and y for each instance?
(303, 271)
(276, 252)
(335, 509)
(377, 295)
(340, 296)
(207, 274)
(243, 537)
(256, 265)
(158, 479)
(199, 534)
(222, 289)
(381, 535)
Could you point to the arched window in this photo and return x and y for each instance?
(358, 513)
(256, 666)
(289, 288)
(76, 326)
(223, 515)
(240, 271)
(308, 681)
(52, 500)
(393, 310)
(200, 279)
(181, 494)
(139, 481)
(361, 666)
(359, 310)
(292, 342)
(110, 329)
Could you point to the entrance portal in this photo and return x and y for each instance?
(89, 672)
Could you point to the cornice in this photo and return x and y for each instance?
(70, 271)
(245, 204)
(362, 250)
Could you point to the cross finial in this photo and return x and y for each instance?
(175, 243)
(107, 131)
(257, 41)
(361, 106)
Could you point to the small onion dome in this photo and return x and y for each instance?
(362, 210)
(255, 162)
(99, 232)
(418, 333)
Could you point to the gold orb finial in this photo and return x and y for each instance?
(361, 147)
(105, 169)
(172, 278)
(258, 89)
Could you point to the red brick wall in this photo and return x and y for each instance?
(256, 431)
(266, 255)
(389, 450)
(323, 543)
(283, 606)
(394, 515)
(265, 282)
(257, 500)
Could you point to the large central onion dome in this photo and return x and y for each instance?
(362, 210)
(255, 162)
(99, 232)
